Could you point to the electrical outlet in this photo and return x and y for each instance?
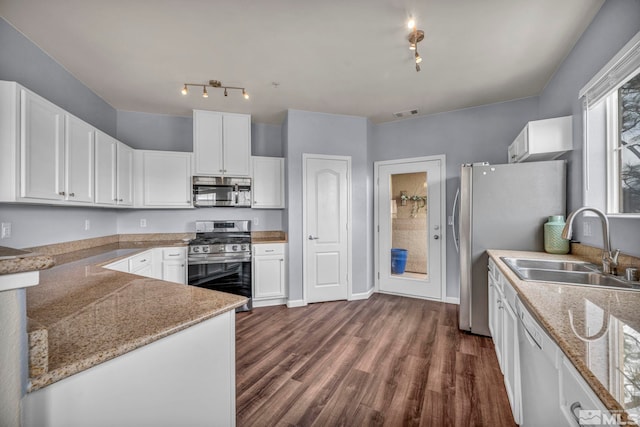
(87, 224)
(6, 230)
(586, 229)
(143, 223)
(256, 221)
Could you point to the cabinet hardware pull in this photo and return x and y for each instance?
(574, 406)
(143, 260)
(269, 250)
(72, 194)
(121, 200)
(174, 254)
(61, 193)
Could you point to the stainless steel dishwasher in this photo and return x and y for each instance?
(539, 361)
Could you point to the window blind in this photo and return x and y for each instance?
(613, 75)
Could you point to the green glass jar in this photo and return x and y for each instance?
(553, 241)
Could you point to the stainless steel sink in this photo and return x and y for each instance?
(568, 272)
(550, 264)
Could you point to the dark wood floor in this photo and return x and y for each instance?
(387, 361)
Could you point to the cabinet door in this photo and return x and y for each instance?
(269, 276)
(79, 160)
(41, 148)
(207, 143)
(174, 271)
(167, 178)
(268, 182)
(511, 358)
(237, 144)
(124, 168)
(105, 167)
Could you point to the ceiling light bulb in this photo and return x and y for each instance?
(418, 58)
(245, 94)
(184, 90)
(204, 92)
(412, 46)
(411, 24)
(225, 92)
(417, 67)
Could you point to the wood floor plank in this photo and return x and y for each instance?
(385, 361)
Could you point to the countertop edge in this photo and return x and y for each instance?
(55, 375)
(596, 386)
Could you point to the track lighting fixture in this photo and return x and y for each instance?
(215, 84)
(415, 37)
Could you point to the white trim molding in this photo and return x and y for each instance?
(362, 295)
(452, 300)
(296, 303)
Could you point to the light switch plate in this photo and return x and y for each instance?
(5, 230)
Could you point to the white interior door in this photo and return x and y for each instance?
(410, 239)
(326, 220)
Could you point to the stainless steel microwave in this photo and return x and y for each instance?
(211, 191)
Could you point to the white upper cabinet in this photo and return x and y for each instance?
(162, 179)
(542, 140)
(41, 148)
(105, 169)
(267, 182)
(124, 173)
(113, 171)
(221, 143)
(79, 160)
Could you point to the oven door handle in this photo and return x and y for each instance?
(197, 261)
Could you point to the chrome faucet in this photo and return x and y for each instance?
(609, 260)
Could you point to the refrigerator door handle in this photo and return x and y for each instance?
(454, 214)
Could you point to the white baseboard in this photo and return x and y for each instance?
(269, 302)
(296, 303)
(452, 300)
(362, 295)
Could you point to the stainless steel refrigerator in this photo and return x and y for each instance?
(501, 207)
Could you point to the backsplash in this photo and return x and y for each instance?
(594, 255)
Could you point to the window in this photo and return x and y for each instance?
(612, 134)
(623, 147)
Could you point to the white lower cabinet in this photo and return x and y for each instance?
(503, 325)
(578, 402)
(269, 280)
(543, 386)
(184, 379)
(169, 264)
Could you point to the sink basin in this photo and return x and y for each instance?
(567, 272)
(550, 264)
(574, 277)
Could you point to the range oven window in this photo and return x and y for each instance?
(231, 277)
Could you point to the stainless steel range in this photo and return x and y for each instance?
(220, 258)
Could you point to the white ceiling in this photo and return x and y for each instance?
(344, 57)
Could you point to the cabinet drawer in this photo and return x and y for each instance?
(139, 261)
(268, 249)
(576, 397)
(174, 253)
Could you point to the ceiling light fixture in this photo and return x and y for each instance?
(415, 37)
(215, 84)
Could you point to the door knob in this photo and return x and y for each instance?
(313, 238)
(436, 237)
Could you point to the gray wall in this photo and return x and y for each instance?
(319, 133)
(480, 134)
(23, 62)
(616, 23)
(146, 131)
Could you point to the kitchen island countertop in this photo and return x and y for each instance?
(83, 314)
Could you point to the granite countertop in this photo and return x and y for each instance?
(258, 237)
(83, 314)
(598, 329)
(20, 261)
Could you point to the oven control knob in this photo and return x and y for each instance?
(196, 249)
(234, 248)
(205, 249)
(245, 247)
